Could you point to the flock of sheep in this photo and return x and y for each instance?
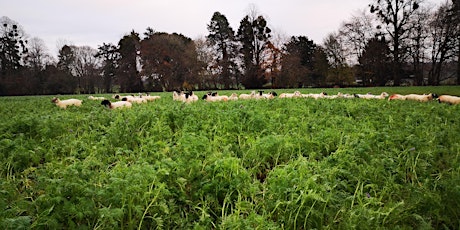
(190, 96)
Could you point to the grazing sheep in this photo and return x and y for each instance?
(190, 97)
(64, 103)
(421, 98)
(453, 100)
(178, 96)
(315, 95)
(115, 105)
(247, 96)
(291, 95)
(133, 99)
(96, 98)
(233, 97)
(185, 97)
(397, 97)
(150, 98)
(214, 97)
(371, 96)
(262, 95)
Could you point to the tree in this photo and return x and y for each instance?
(374, 62)
(354, 35)
(297, 63)
(254, 35)
(110, 57)
(417, 43)
(86, 68)
(339, 73)
(12, 49)
(12, 45)
(64, 81)
(205, 58)
(444, 31)
(36, 60)
(321, 67)
(395, 15)
(128, 73)
(222, 37)
(170, 61)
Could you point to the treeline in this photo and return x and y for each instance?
(401, 42)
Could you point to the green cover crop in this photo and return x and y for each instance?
(254, 164)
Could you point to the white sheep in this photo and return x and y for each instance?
(151, 98)
(64, 103)
(396, 97)
(421, 98)
(233, 97)
(296, 94)
(383, 95)
(262, 95)
(453, 100)
(190, 97)
(185, 97)
(132, 99)
(247, 96)
(314, 95)
(340, 95)
(115, 105)
(214, 97)
(96, 98)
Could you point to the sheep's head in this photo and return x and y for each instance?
(434, 96)
(205, 97)
(105, 103)
(273, 93)
(55, 100)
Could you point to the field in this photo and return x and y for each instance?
(265, 164)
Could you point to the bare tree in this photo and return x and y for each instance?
(205, 56)
(444, 40)
(395, 15)
(354, 35)
(86, 67)
(37, 56)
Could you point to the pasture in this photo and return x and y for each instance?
(292, 163)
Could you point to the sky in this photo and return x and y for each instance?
(94, 22)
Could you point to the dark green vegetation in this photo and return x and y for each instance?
(277, 164)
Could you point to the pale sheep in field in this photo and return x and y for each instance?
(296, 94)
(247, 96)
(150, 98)
(115, 105)
(138, 100)
(233, 97)
(453, 100)
(397, 97)
(270, 95)
(96, 98)
(185, 97)
(190, 97)
(346, 95)
(315, 95)
(211, 97)
(371, 96)
(421, 98)
(64, 103)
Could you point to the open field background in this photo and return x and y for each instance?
(266, 164)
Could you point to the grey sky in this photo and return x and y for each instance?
(93, 22)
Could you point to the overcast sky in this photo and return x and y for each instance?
(93, 22)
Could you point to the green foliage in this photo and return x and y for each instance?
(255, 164)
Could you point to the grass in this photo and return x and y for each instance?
(277, 164)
